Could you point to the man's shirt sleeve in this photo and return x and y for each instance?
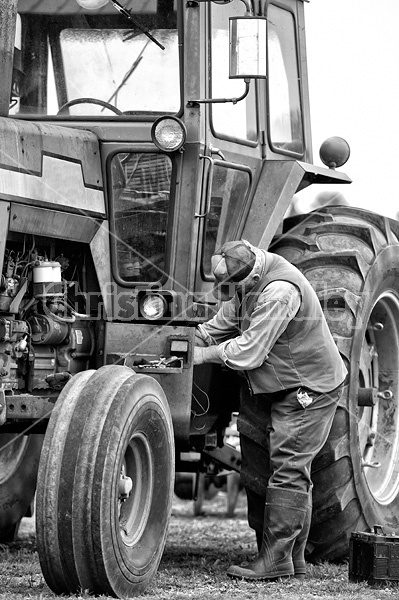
(276, 306)
(223, 326)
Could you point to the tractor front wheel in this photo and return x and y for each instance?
(105, 484)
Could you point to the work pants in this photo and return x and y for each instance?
(279, 439)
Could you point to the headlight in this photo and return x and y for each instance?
(153, 306)
(91, 4)
(168, 133)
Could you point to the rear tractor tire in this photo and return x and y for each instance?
(105, 484)
(351, 258)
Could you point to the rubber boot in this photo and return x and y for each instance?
(285, 513)
(298, 551)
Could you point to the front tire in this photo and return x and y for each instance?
(351, 257)
(112, 494)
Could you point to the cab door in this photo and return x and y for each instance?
(233, 146)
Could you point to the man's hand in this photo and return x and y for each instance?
(209, 354)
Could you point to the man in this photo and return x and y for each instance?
(271, 328)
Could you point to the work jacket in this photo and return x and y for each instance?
(302, 354)
(305, 354)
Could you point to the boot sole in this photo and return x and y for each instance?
(260, 578)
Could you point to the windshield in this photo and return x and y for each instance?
(96, 63)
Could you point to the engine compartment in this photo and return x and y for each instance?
(49, 300)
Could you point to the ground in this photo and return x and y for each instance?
(197, 554)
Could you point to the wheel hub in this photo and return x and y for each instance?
(125, 487)
(135, 489)
(378, 420)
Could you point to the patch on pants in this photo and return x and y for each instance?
(303, 398)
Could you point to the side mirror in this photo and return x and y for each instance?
(248, 44)
(248, 50)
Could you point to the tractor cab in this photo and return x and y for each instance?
(197, 107)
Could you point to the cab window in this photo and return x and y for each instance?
(77, 62)
(229, 192)
(229, 120)
(285, 115)
(140, 203)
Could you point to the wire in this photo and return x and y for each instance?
(204, 410)
(55, 317)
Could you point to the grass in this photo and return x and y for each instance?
(194, 564)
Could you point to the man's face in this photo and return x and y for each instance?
(225, 291)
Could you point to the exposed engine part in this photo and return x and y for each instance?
(53, 337)
(58, 311)
(12, 330)
(11, 279)
(73, 356)
(45, 364)
(7, 368)
(58, 380)
(8, 289)
(38, 366)
(47, 280)
(47, 330)
(46, 272)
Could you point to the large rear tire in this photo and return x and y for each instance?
(110, 472)
(19, 462)
(351, 257)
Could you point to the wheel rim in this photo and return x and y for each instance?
(11, 453)
(135, 509)
(378, 426)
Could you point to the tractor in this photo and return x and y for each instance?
(135, 138)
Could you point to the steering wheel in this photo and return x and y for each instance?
(89, 101)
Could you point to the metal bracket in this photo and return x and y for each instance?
(227, 455)
(192, 103)
(208, 187)
(26, 406)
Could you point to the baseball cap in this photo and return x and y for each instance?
(233, 262)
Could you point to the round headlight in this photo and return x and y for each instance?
(91, 4)
(168, 133)
(153, 306)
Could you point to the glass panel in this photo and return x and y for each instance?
(229, 120)
(131, 73)
(284, 94)
(75, 54)
(141, 186)
(229, 191)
